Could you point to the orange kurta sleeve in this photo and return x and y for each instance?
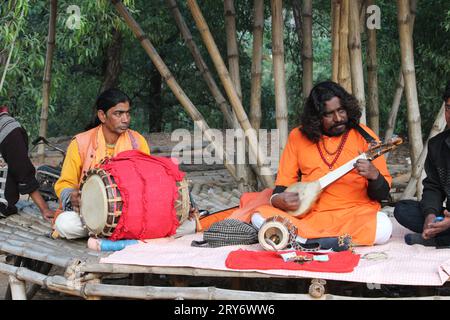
(288, 167)
(71, 170)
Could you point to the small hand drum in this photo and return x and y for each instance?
(277, 233)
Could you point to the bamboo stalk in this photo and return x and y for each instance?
(56, 283)
(394, 108)
(232, 45)
(173, 84)
(413, 183)
(201, 64)
(307, 48)
(18, 288)
(255, 97)
(400, 84)
(243, 172)
(356, 58)
(335, 27)
(409, 74)
(344, 75)
(279, 73)
(265, 172)
(60, 260)
(372, 79)
(43, 125)
(233, 67)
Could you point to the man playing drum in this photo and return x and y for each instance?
(110, 136)
(329, 136)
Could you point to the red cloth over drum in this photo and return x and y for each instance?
(148, 188)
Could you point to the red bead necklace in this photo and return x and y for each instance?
(337, 152)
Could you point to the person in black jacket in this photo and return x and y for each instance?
(429, 218)
(17, 173)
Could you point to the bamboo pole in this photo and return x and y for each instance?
(373, 110)
(394, 108)
(335, 27)
(400, 85)
(356, 58)
(201, 64)
(265, 172)
(279, 73)
(233, 67)
(47, 77)
(307, 48)
(415, 182)
(243, 173)
(18, 288)
(173, 85)
(255, 95)
(409, 74)
(344, 75)
(232, 45)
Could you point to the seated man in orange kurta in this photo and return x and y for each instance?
(330, 135)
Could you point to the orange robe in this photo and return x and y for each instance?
(344, 206)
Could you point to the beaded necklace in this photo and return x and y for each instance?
(337, 152)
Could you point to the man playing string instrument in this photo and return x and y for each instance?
(330, 135)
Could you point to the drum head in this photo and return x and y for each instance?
(94, 204)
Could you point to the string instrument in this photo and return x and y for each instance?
(309, 192)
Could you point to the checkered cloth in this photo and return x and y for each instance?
(228, 232)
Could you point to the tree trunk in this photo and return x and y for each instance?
(43, 125)
(344, 58)
(356, 58)
(112, 65)
(415, 182)
(279, 72)
(307, 48)
(255, 97)
(265, 172)
(409, 74)
(335, 27)
(173, 85)
(201, 64)
(373, 110)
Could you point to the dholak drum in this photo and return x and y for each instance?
(101, 203)
(277, 233)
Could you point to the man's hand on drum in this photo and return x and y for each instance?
(75, 198)
(286, 201)
(366, 169)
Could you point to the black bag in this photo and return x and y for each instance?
(228, 232)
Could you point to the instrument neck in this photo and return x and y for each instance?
(339, 172)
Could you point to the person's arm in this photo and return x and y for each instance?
(378, 189)
(287, 174)
(14, 150)
(376, 172)
(67, 186)
(433, 193)
(47, 214)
